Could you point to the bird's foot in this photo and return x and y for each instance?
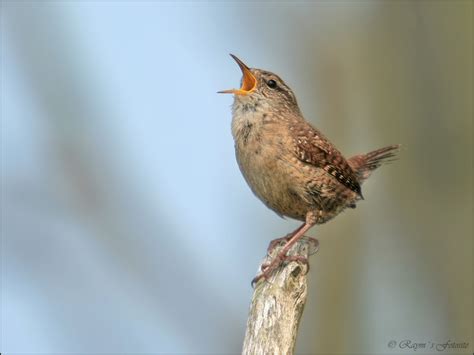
(278, 242)
(269, 268)
(283, 240)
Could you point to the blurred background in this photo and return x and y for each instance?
(126, 225)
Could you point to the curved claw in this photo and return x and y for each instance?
(257, 278)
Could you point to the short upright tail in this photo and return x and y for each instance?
(364, 164)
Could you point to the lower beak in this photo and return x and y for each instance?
(249, 82)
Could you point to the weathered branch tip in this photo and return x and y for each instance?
(277, 305)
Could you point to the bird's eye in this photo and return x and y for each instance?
(272, 83)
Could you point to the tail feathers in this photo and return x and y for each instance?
(364, 164)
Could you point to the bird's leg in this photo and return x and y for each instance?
(275, 242)
(311, 220)
(278, 242)
(286, 238)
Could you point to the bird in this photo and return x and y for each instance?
(289, 164)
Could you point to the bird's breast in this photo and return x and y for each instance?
(262, 149)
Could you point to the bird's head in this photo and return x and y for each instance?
(261, 86)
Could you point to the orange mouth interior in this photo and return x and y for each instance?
(249, 82)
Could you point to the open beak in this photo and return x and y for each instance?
(249, 83)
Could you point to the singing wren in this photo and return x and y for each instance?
(290, 165)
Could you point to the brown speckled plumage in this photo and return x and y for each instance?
(293, 168)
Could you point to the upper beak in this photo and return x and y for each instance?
(249, 82)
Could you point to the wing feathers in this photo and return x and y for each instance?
(313, 148)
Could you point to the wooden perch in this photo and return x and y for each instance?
(277, 305)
